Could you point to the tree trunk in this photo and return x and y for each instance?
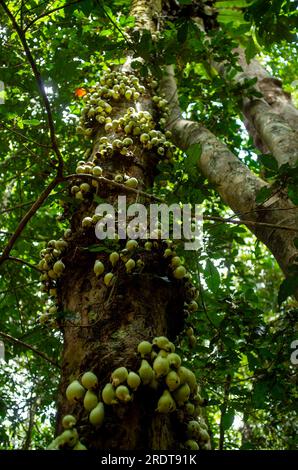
(103, 324)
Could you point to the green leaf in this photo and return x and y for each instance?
(193, 155)
(269, 161)
(31, 122)
(263, 194)
(211, 276)
(288, 287)
(228, 419)
(251, 50)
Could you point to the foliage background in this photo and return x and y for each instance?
(244, 331)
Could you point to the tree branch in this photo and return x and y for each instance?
(40, 84)
(33, 209)
(31, 348)
(235, 183)
(22, 261)
(47, 13)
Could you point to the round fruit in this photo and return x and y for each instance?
(108, 395)
(122, 393)
(90, 400)
(179, 272)
(119, 376)
(133, 380)
(75, 391)
(114, 257)
(108, 279)
(68, 421)
(89, 380)
(166, 403)
(97, 415)
(144, 348)
(98, 268)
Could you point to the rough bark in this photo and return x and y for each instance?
(235, 183)
(272, 120)
(107, 323)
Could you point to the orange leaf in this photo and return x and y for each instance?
(79, 92)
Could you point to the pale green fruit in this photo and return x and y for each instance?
(87, 221)
(161, 342)
(114, 258)
(130, 265)
(187, 376)
(192, 341)
(190, 408)
(58, 267)
(97, 171)
(79, 446)
(52, 274)
(144, 138)
(133, 380)
(132, 183)
(67, 234)
(68, 421)
(98, 268)
(166, 404)
(181, 394)
(198, 399)
(97, 415)
(61, 244)
(146, 372)
(85, 187)
(191, 445)
(89, 380)
(163, 353)
(193, 429)
(172, 380)
(144, 348)
(119, 376)
(189, 331)
(79, 195)
(168, 252)
(118, 178)
(70, 436)
(108, 395)
(90, 400)
(193, 306)
(176, 261)
(204, 436)
(174, 360)
(75, 391)
(108, 279)
(161, 366)
(131, 245)
(148, 246)
(122, 393)
(179, 272)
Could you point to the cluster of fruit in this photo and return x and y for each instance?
(161, 370)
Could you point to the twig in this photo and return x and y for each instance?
(40, 84)
(250, 222)
(102, 179)
(47, 13)
(19, 206)
(32, 348)
(22, 261)
(25, 137)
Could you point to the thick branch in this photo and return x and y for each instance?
(28, 346)
(272, 120)
(235, 183)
